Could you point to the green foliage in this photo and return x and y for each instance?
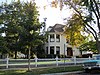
(74, 29)
(3, 46)
(19, 21)
(9, 24)
(29, 34)
(89, 46)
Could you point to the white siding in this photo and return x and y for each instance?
(60, 44)
(76, 52)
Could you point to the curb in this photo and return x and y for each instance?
(63, 73)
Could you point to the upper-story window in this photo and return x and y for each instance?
(52, 38)
(57, 38)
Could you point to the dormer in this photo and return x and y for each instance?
(49, 29)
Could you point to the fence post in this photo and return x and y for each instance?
(36, 61)
(56, 60)
(95, 58)
(7, 62)
(74, 60)
(89, 58)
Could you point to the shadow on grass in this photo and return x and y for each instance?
(39, 71)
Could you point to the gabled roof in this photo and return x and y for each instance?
(57, 28)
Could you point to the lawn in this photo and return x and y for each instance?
(32, 63)
(38, 71)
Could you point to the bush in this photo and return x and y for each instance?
(87, 55)
(51, 56)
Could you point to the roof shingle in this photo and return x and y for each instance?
(57, 28)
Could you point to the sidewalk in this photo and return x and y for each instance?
(63, 73)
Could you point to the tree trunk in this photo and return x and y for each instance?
(29, 59)
(15, 54)
(1, 55)
(98, 46)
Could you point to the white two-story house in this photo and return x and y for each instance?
(57, 43)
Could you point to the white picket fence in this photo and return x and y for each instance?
(42, 62)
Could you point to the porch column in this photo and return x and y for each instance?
(48, 49)
(55, 38)
(48, 44)
(54, 49)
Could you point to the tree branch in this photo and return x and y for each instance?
(97, 8)
(91, 32)
(79, 14)
(97, 15)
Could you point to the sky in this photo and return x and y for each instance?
(53, 15)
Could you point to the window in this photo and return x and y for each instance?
(58, 50)
(52, 50)
(51, 37)
(57, 38)
(46, 50)
(47, 38)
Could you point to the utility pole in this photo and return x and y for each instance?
(64, 56)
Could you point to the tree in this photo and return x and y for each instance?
(89, 12)
(89, 46)
(3, 46)
(9, 25)
(21, 26)
(30, 26)
(73, 31)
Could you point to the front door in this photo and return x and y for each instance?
(69, 51)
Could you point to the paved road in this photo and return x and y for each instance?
(82, 74)
(72, 73)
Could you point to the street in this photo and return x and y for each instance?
(83, 73)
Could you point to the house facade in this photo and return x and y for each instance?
(57, 43)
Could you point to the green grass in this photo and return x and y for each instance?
(33, 63)
(25, 63)
(39, 71)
